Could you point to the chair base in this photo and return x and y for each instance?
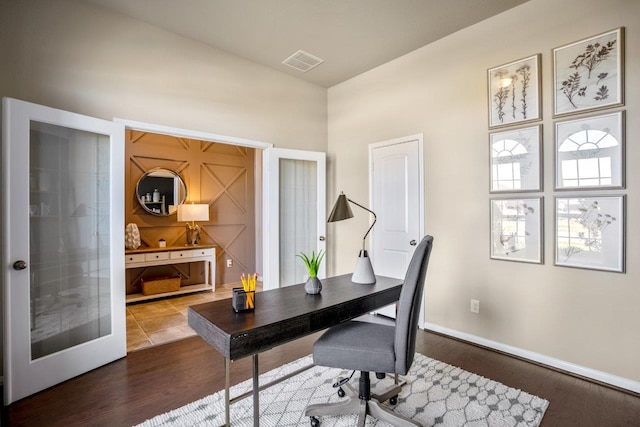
(353, 405)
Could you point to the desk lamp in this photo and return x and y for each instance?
(192, 213)
(363, 272)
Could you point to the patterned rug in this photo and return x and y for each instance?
(437, 394)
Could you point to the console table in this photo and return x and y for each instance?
(149, 257)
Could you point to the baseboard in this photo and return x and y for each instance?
(599, 376)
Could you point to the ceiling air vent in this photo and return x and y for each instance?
(303, 61)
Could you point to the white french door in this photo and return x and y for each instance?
(294, 213)
(397, 198)
(63, 249)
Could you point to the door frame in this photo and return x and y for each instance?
(421, 222)
(262, 205)
(212, 137)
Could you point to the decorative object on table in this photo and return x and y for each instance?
(590, 152)
(590, 232)
(190, 213)
(514, 92)
(159, 191)
(159, 285)
(313, 285)
(589, 74)
(243, 299)
(515, 157)
(162, 243)
(363, 272)
(516, 229)
(131, 236)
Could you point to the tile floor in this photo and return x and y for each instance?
(164, 320)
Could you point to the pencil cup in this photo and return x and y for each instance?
(242, 300)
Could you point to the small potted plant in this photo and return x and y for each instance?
(313, 285)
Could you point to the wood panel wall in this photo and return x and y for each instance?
(217, 174)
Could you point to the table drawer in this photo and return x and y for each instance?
(180, 254)
(156, 256)
(133, 258)
(202, 252)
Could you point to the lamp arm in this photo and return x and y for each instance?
(375, 218)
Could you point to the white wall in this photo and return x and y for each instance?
(588, 318)
(71, 55)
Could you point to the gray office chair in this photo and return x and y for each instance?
(372, 347)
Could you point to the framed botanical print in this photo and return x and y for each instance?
(589, 74)
(590, 152)
(516, 229)
(514, 92)
(515, 157)
(590, 232)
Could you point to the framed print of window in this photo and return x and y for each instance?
(590, 152)
(514, 92)
(515, 157)
(516, 229)
(590, 232)
(589, 74)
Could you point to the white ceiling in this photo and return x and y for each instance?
(351, 36)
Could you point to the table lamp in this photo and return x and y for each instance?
(363, 273)
(190, 213)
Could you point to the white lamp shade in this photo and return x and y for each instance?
(193, 212)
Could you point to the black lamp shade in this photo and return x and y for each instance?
(341, 210)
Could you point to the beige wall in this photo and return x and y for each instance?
(588, 318)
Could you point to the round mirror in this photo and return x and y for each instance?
(160, 191)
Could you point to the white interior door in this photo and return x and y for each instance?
(63, 251)
(294, 213)
(397, 199)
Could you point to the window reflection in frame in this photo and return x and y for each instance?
(590, 152)
(515, 156)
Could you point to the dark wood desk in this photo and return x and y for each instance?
(283, 315)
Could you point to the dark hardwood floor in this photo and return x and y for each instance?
(155, 380)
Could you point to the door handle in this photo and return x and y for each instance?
(413, 243)
(19, 265)
(322, 238)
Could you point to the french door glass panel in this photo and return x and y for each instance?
(298, 213)
(68, 214)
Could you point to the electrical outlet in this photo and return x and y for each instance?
(475, 306)
(229, 263)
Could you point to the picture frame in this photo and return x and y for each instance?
(589, 74)
(589, 232)
(590, 152)
(517, 229)
(515, 157)
(514, 92)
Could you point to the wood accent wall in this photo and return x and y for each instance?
(220, 175)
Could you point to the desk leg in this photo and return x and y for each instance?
(256, 392)
(227, 396)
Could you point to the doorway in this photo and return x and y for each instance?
(272, 173)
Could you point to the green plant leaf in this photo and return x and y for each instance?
(312, 263)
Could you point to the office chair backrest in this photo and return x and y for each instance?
(409, 306)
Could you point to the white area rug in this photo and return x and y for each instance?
(437, 394)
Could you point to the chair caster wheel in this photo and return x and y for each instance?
(341, 392)
(393, 400)
(315, 422)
